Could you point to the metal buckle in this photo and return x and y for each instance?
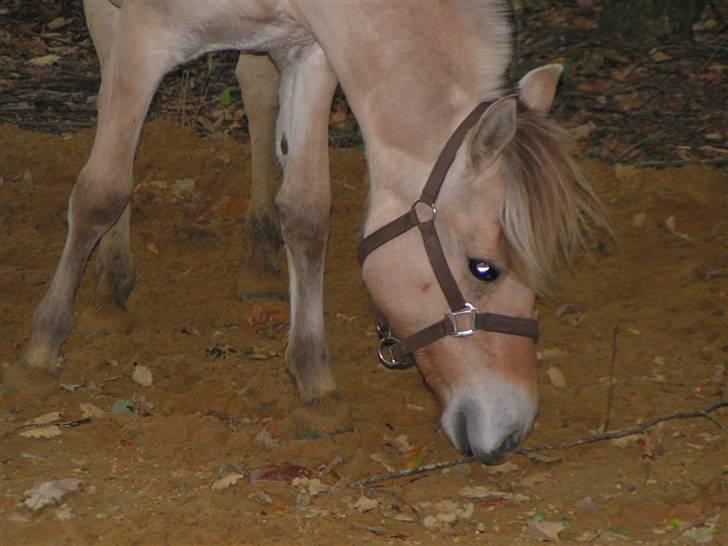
(453, 316)
(386, 357)
(432, 209)
(387, 340)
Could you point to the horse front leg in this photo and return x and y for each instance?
(259, 275)
(304, 205)
(104, 186)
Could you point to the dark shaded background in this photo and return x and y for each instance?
(644, 80)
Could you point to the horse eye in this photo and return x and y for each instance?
(483, 270)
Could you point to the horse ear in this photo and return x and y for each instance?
(538, 87)
(494, 131)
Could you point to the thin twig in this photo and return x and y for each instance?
(717, 161)
(610, 392)
(639, 143)
(627, 431)
(549, 447)
(55, 39)
(410, 471)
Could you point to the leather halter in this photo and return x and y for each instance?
(462, 318)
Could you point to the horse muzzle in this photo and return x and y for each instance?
(489, 421)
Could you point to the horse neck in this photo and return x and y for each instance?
(411, 72)
(401, 155)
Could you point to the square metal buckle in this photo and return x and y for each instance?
(455, 318)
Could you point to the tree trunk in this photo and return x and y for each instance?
(650, 21)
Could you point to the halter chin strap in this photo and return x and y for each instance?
(462, 319)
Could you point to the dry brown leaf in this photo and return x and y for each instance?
(142, 375)
(90, 411)
(481, 492)
(231, 205)
(46, 418)
(337, 117)
(651, 442)
(569, 309)
(183, 188)
(659, 56)
(58, 22)
(508, 466)
(311, 486)
(625, 441)
(269, 313)
(151, 247)
(583, 131)
(670, 225)
(536, 478)
(49, 431)
(403, 445)
(44, 60)
(63, 513)
(365, 504)
(548, 354)
(557, 377)
(281, 472)
(227, 481)
(44, 493)
(381, 458)
(546, 530)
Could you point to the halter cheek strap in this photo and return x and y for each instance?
(462, 318)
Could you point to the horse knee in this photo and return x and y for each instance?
(98, 199)
(304, 221)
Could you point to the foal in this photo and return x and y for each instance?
(510, 204)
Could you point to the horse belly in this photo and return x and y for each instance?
(245, 25)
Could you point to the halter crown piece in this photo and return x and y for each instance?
(462, 319)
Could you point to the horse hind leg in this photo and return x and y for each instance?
(104, 186)
(114, 268)
(114, 277)
(259, 275)
(304, 205)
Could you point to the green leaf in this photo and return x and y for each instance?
(223, 98)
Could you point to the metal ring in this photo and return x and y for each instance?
(383, 330)
(386, 357)
(431, 206)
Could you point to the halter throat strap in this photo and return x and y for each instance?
(462, 319)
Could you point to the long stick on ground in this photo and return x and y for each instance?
(564, 445)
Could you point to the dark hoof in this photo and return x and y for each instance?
(261, 285)
(245, 296)
(108, 319)
(21, 379)
(323, 417)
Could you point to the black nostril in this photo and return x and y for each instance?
(461, 434)
(509, 444)
(499, 455)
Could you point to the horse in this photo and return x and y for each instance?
(258, 79)
(474, 202)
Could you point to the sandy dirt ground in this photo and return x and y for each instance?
(143, 464)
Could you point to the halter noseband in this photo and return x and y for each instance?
(462, 318)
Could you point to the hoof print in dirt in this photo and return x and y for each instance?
(104, 321)
(318, 418)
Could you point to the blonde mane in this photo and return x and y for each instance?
(549, 206)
